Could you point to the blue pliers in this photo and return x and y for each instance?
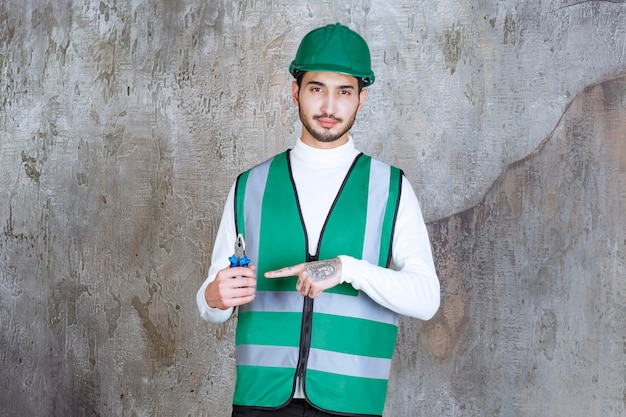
(239, 258)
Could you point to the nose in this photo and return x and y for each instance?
(328, 104)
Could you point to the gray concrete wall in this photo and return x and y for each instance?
(123, 124)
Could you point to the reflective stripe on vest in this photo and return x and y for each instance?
(334, 362)
(352, 337)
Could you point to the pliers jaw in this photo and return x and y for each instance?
(239, 258)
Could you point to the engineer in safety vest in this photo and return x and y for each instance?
(336, 249)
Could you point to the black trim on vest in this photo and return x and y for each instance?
(235, 203)
(332, 207)
(307, 307)
(295, 191)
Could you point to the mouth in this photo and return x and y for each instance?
(326, 121)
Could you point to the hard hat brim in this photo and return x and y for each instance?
(368, 79)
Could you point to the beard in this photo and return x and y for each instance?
(325, 135)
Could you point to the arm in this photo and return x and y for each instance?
(225, 287)
(413, 289)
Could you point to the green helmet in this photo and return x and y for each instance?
(334, 48)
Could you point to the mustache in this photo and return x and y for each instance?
(327, 116)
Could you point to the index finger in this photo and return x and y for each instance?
(290, 271)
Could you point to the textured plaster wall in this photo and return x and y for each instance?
(533, 321)
(124, 123)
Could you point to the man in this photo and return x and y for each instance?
(319, 308)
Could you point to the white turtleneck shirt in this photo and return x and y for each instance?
(411, 288)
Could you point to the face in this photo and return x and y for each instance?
(328, 103)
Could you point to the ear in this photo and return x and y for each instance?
(295, 90)
(362, 97)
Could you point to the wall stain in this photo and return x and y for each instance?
(113, 315)
(547, 333)
(451, 45)
(62, 306)
(161, 336)
(513, 31)
(449, 239)
(508, 29)
(30, 167)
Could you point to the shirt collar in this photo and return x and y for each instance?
(333, 156)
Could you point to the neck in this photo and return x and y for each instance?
(314, 143)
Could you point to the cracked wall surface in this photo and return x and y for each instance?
(123, 125)
(532, 321)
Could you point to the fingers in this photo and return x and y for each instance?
(231, 287)
(289, 271)
(313, 277)
(241, 295)
(306, 287)
(303, 285)
(234, 296)
(239, 271)
(308, 290)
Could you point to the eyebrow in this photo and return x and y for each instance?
(339, 87)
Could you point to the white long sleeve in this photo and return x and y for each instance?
(412, 289)
(222, 250)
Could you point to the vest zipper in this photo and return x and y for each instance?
(305, 338)
(307, 308)
(305, 334)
